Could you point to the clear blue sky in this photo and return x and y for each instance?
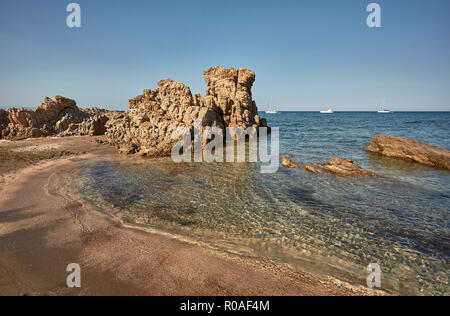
(308, 55)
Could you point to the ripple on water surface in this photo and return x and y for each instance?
(322, 223)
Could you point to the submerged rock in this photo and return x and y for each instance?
(339, 166)
(146, 128)
(54, 117)
(410, 150)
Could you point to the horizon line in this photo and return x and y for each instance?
(285, 111)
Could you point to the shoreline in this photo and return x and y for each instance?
(41, 233)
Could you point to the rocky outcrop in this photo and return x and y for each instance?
(345, 167)
(410, 150)
(230, 91)
(93, 123)
(146, 128)
(54, 117)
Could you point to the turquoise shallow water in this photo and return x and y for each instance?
(323, 223)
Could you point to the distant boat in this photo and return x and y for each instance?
(271, 110)
(383, 110)
(329, 111)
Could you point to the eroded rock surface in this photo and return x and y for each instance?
(410, 150)
(345, 167)
(230, 90)
(147, 126)
(336, 165)
(54, 117)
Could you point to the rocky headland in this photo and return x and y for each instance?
(410, 150)
(147, 126)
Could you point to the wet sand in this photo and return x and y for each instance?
(42, 232)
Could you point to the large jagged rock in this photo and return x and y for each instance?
(230, 91)
(146, 128)
(148, 125)
(54, 117)
(410, 150)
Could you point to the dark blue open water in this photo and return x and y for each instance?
(323, 223)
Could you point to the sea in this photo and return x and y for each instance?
(324, 224)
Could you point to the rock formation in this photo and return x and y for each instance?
(147, 126)
(54, 117)
(230, 91)
(345, 167)
(410, 150)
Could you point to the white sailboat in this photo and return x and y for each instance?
(271, 110)
(329, 111)
(383, 110)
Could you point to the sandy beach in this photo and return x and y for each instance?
(42, 232)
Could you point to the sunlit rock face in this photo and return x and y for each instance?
(230, 90)
(147, 126)
(54, 117)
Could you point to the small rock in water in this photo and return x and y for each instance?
(345, 167)
(288, 162)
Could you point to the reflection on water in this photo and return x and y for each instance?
(322, 223)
